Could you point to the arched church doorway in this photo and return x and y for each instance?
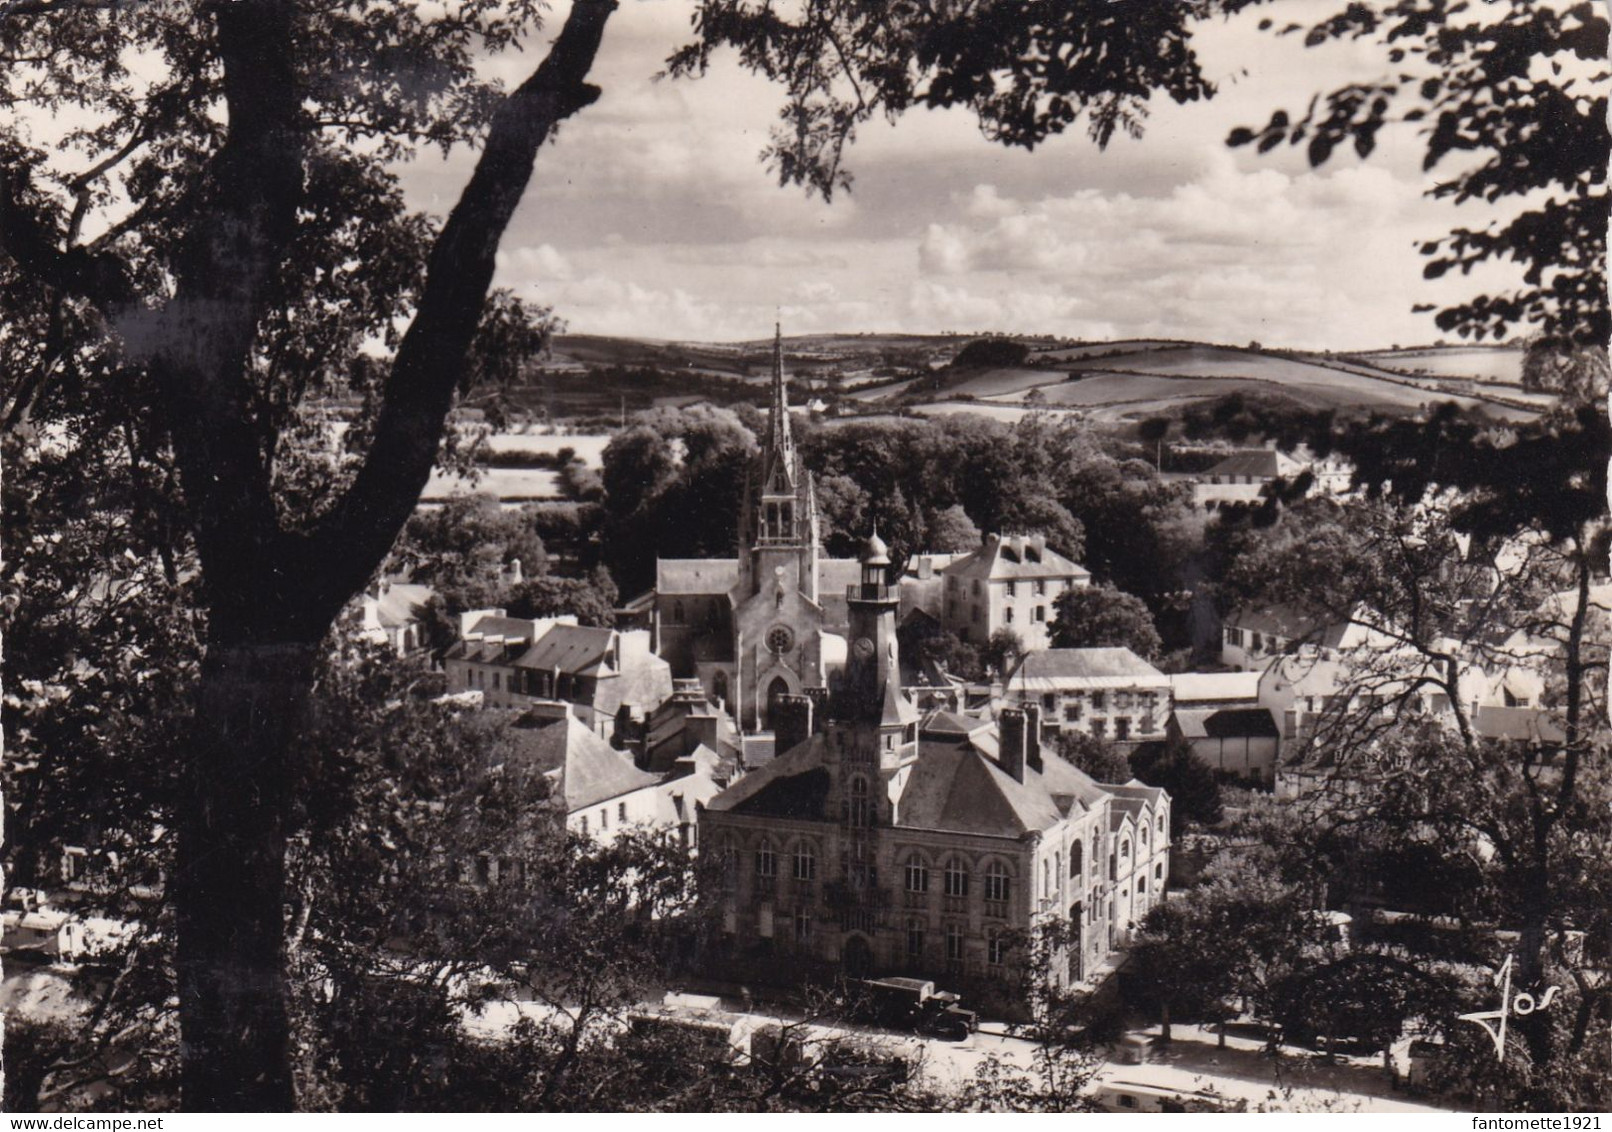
(778, 687)
(856, 958)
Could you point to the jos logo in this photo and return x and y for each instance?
(1522, 1004)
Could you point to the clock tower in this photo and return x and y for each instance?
(869, 692)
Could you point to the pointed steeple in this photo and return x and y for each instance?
(778, 453)
(779, 437)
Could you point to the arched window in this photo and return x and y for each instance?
(1077, 859)
(766, 859)
(956, 877)
(1142, 833)
(1161, 825)
(996, 882)
(917, 874)
(1046, 878)
(1125, 849)
(860, 809)
(805, 861)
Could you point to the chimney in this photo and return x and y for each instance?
(1032, 737)
(699, 727)
(515, 577)
(1010, 738)
(819, 698)
(791, 723)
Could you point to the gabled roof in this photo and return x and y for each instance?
(1014, 557)
(585, 769)
(576, 649)
(1050, 669)
(696, 575)
(1264, 462)
(1226, 723)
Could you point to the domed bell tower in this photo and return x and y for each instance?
(870, 691)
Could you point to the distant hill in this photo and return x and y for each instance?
(1101, 380)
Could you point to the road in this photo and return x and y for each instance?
(1297, 1081)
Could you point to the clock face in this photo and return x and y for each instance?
(863, 647)
(780, 639)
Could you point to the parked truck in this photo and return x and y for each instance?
(911, 1004)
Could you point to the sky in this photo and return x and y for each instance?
(651, 216)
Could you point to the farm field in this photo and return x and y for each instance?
(1482, 363)
(1336, 386)
(512, 485)
(1125, 388)
(588, 446)
(1000, 382)
(1105, 349)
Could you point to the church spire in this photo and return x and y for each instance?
(779, 438)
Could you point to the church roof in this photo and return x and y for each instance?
(696, 575)
(584, 768)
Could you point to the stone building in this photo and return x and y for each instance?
(1109, 693)
(553, 667)
(880, 843)
(1010, 582)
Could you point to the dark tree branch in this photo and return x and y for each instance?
(359, 532)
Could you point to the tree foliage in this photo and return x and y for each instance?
(1101, 616)
(1510, 99)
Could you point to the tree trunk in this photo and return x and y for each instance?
(230, 877)
(1164, 1022)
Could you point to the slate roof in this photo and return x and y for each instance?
(950, 725)
(1208, 687)
(781, 787)
(1264, 462)
(1226, 723)
(1011, 557)
(834, 575)
(585, 769)
(577, 649)
(954, 789)
(1051, 669)
(496, 625)
(696, 575)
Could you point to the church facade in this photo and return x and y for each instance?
(771, 621)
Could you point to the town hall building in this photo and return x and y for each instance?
(880, 842)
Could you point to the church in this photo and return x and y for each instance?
(771, 621)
